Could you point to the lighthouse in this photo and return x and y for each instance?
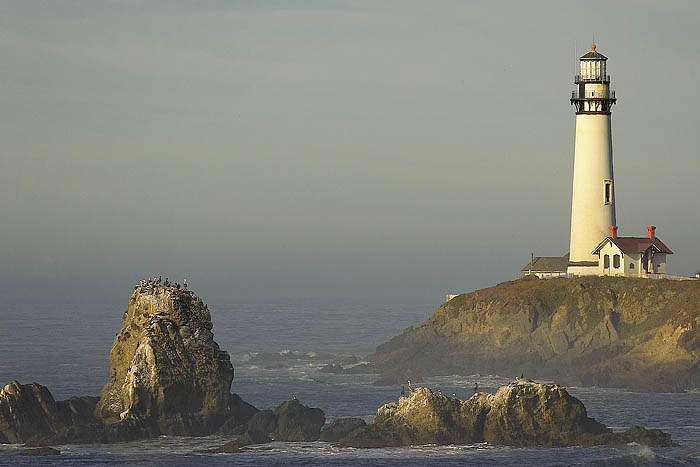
(593, 194)
(594, 245)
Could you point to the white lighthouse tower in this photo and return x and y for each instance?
(593, 196)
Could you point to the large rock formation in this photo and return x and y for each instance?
(165, 368)
(30, 415)
(168, 376)
(524, 413)
(638, 334)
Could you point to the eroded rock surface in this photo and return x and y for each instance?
(638, 334)
(523, 413)
(165, 368)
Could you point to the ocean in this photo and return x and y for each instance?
(277, 351)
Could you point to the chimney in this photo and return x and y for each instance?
(613, 231)
(651, 230)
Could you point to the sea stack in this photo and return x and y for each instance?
(165, 368)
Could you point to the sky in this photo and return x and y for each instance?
(379, 151)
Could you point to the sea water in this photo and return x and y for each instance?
(277, 351)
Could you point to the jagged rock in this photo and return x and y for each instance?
(241, 413)
(28, 411)
(340, 428)
(30, 415)
(44, 451)
(523, 413)
(165, 368)
(423, 418)
(298, 422)
(638, 334)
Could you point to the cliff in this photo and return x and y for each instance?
(638, 334)
(523, 413)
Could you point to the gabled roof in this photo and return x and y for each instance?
(547, 264)
(635, 245)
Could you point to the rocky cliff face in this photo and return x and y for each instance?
(165, 368)
(638, 334)
(523, 413)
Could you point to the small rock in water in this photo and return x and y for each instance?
(45, 451)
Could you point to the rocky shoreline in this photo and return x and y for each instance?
(169, 377)
(641, 335)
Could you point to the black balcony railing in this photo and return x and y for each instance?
(591, 79)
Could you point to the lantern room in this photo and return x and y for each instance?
(593, 68)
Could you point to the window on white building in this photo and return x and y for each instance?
(631, 265)
(616, 261)
(606, 262)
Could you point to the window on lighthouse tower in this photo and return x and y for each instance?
(608, 191)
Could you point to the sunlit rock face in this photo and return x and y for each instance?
(523, 413)
(638, 334)
(165, 368)
(424, 417)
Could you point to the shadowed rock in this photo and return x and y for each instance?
(340, 428)
(30, 415)
(241, 413)
(262, 425)
(298, 422)
(28, 411)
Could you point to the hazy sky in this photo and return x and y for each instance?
(371, 150)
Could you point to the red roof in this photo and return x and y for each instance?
(636, 244)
